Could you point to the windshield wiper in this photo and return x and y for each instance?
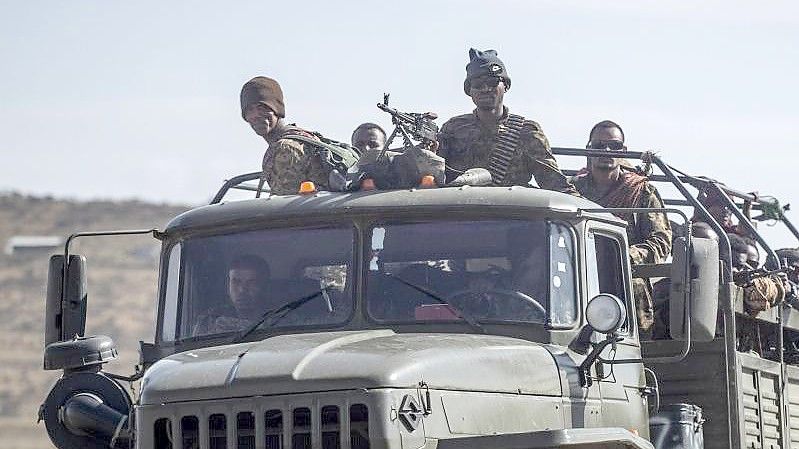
(420, 288)
(277, 313)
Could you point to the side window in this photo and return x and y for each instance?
(611, 273)
(171, 295)
(563, 286)
(605, 267)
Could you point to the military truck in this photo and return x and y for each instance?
(439, 317)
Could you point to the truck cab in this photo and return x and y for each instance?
(453, 317)
(477, 316)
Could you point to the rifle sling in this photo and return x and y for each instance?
(505, 148)
(341, 161)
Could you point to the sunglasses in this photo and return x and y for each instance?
(612, 145)
(480, 83)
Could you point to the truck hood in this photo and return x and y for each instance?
(303, 363)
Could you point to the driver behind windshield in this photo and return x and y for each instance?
(247, 280)
(507, 295)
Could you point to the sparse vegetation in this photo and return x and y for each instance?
(122, 292)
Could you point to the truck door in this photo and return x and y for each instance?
(608, 271)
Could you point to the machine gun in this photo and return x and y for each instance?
(745, 278)
(411, 126)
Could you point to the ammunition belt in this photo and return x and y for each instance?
(505, 148)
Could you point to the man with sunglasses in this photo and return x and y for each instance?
(512, 148)
(610, 183)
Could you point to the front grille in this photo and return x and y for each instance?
(300, 427)
(245, 430)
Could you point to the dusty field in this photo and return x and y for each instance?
(122, 292)
(24, 434)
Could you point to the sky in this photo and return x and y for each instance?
(119, 100)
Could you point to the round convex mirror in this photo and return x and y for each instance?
(605, 313)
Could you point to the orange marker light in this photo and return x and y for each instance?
(428, 182)
(307, 187)
(368, 184)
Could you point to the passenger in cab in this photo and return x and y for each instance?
(610, 184)
(290, 158)
(247, 280)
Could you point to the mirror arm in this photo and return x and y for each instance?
(155, 232)
(593, 356)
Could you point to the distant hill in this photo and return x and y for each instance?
(122, 293)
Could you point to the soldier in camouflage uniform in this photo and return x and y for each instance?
(288, 160)
(471, 140)
(610, 184)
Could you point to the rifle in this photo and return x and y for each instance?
(745, 278)
(411, 126)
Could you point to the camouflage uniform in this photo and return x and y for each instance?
(223, 318)
(762, 294)
(466, 143)
(288, 162)
(649, 234)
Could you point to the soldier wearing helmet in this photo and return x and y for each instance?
(513, 148)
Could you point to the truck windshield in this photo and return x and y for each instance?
(504, 271)
(228, 281)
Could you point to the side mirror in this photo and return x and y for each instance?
(65, 311)
(699, 290)
(605, 313)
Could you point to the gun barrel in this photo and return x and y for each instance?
(401, 116)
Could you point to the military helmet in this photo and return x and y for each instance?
(483, 63)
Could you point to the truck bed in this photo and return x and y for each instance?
(746, 399)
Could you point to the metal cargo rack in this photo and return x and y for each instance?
(241, 183)
(749, 401)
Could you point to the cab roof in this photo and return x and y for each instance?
(278, 207)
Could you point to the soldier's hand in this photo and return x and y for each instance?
(432, 146)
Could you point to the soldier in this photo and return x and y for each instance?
(397, 169)
(790, 259)
(511, 147)
(761, 293)
(368, 137)
(289, 159)
(610, 184)
(246, 287)
(717, 205)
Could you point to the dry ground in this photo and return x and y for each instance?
(122, 294)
